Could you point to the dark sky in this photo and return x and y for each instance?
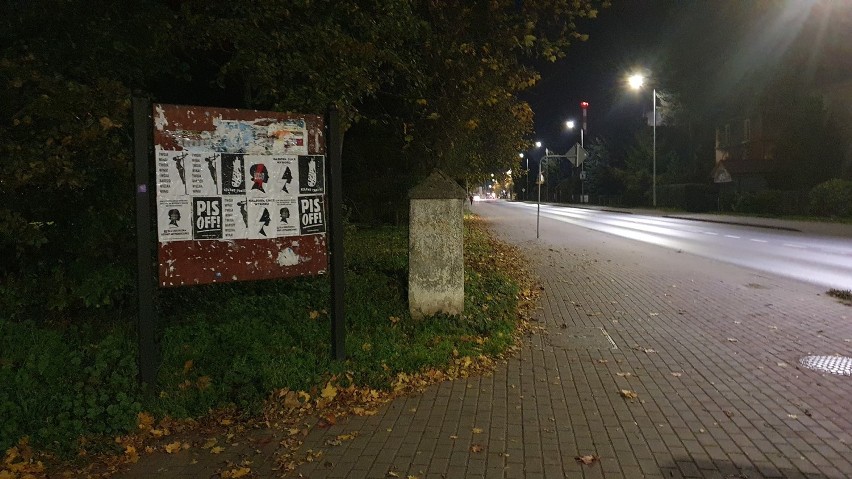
(720, 48)
(623, 37)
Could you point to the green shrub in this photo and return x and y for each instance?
(693, 197)
(232, 344)
(58, 384)
(770, 202)
(831, 198)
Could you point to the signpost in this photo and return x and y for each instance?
(576, 155)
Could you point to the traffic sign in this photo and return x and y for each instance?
(577, 155)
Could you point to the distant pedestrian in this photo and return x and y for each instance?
(470, 197)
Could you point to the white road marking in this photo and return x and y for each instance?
(732, 236)
(758, 240)
(795, 245)
(710, 233)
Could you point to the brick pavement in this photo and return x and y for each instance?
(709, 348)
(736, 405)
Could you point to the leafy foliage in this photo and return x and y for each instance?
(831, 198)
(770, 202)
(58, 384)
(436, 81)
(233, 344)
(693, 197)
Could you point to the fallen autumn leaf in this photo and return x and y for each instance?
(173, 447)
(588, 459)
(329, 391)
(628, 394)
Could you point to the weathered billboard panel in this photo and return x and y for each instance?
(240, 194)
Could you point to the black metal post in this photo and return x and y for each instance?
(147, 316)
(335, 232)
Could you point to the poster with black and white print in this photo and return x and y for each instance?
(171, 173)
(288, 221)
(262, 218)
(233, 174)
(311, 215)
(207, 217)
(235, 217)
(311, 174)
(285, 175)
(204, 173)
(174, 219)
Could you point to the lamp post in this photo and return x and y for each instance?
(584, 105)
(539, 182)
(636, 81)
(527, 193)
(570, 125)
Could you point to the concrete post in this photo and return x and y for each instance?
(435, 247)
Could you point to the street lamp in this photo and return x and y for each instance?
(539, 180)
(636, 81)
(527, 192)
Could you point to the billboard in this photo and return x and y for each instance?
(240, 194)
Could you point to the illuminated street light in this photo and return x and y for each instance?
(636, 81)
(569, 124)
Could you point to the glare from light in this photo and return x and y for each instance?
(538, 144)
(569, 124)
(636, 81)
(520, 155)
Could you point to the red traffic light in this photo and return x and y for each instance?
(584, 104)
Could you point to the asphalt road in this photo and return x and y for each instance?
(821, 260)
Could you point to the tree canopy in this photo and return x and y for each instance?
(434, 82)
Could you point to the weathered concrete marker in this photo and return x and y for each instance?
(435, 247)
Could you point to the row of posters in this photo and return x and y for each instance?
(187, 173)
(207, 195)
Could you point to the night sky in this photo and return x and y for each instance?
(718, 47)
(623, 37)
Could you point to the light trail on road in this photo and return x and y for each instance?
(822, 260)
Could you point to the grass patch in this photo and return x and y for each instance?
(232, 344)
(844, 295)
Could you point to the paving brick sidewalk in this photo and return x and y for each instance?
(710, 349)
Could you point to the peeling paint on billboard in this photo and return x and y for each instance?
(240, 194)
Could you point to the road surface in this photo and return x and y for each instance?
(822, 260)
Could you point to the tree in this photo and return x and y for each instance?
(601, 175)
(65, 189)
(434, 80)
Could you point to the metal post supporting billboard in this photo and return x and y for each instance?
(335, 233)
(147, 316)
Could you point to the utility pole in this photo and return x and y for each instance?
(584, 105)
